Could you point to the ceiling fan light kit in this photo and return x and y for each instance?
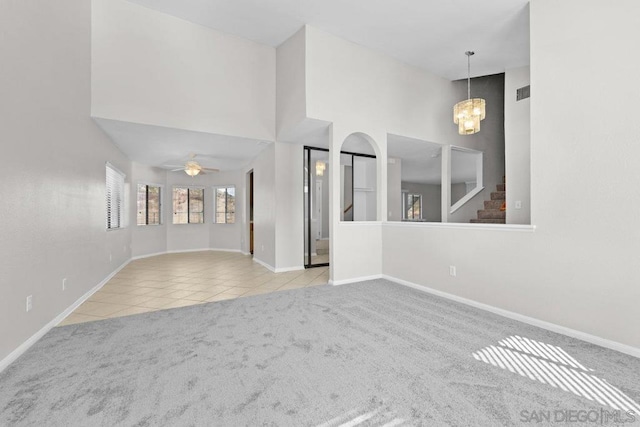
(193, 168)
(467, 114)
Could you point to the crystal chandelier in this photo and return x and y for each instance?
(468, 113)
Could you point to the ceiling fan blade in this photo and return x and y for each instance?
(211, 169)
(175, 170)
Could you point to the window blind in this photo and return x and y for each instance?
(114, 197)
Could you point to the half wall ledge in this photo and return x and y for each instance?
(464, 226)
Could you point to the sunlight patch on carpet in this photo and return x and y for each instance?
(553, 366)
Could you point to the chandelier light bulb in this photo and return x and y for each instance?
(467, 114)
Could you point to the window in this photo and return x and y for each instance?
(413, 207)
(149, 204)
(114, 198)
(225, 205)
(188, 205)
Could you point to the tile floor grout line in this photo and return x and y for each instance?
(148, 284)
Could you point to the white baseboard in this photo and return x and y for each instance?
(354, 280)
(185, 251)
(286, 269)
(226, 250)
(277, 270)
(147, 255)
(264, 264)
(11, 357)
(602, 342)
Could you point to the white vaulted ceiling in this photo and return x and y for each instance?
(430, 34)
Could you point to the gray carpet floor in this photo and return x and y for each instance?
(371, 353)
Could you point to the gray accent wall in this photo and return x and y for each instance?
(490, 139)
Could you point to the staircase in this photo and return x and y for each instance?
(494, 211)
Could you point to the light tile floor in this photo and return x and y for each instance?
(179, 280)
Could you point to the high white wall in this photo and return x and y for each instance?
(351, 84)
(290, 85)
(264, 207)
(360, 90)
(578, 269)
(394, 190)
(517, 134)
(153, 68)
(52, 198)
(289, 237)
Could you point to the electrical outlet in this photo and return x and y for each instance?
(64, 284)
(29, 302)
(518, 204)
(110, 257)
(452, 270)
(262, 248)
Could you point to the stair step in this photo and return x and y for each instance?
(501, 187)
(498, 195)
(493, 204)
(492, 214)
(488, 221)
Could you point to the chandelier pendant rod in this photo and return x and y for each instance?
(469, 53)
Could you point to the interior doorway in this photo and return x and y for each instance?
(250, 209)
(316, 207)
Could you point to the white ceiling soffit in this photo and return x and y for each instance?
(310, 132)
(421, 160)
(429, 34)
(168, 147)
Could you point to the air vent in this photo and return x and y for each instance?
(523, 93)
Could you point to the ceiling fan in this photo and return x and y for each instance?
(193, 168)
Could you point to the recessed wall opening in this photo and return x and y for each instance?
(414, 180)
(466, 175)
(358, 179)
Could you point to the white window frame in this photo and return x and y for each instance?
(204, 210)
(405, 205)
(215, 203)
(114, 197)
(161, 203)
